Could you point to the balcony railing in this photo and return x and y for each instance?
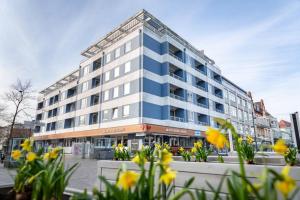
(177, 97)
(202, 123)
(202, 105)
(174, 56)
(174, 118)
(176, 76)
(219, 110)
(199, 70)
(201, 88)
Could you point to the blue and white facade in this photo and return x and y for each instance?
(141, 82)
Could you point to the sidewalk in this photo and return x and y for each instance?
(6, 177)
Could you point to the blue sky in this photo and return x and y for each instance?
(255, 43)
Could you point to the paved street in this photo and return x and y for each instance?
(84, 177)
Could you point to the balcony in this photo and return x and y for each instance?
(175, 52)
(200, 67)
(177, 92)
(70, 107)
(69, 123)
(40, 105)
(97, 64)
(201, 84)
(72, 92)
(95, 82)
(219, 107)
(202, 119)
(202, 101)
(177, 114)
(216, 77)
(176, 72)
(218, 92)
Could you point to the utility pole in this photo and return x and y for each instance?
(253, 121)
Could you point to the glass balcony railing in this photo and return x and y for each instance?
(202, 123)
(202, 105)
(177, 97)
(176, 76)
(174, 56)
(174, 118)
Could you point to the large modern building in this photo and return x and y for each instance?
(140, 83)
(238, 109)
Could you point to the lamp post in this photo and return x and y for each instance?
(253, 121)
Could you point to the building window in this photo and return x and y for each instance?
(105, 115)
(94, 99)
(126, 111)
(240, 114)
(85, 86)
(117, 72)
(232, 96)
(108, 57)
(115, 113)
(85, 70)
(127, 67)
(126, 88)
(226, 109)
(83, 103)
(107, 76)
(96, 81)
(94, 118)
(128, 47)
(232, 111)
(190, 116)
(106, 95)
(117, 53)
(116, 92)
(245, 115)
(81, 120)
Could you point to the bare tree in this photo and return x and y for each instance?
(19, 96)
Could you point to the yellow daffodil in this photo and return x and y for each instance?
(249, 139)
(193, 150)
(280, 147)
(157, 146)
(168, 176)
(181, 149)
(216, 138)
(127, 179)
(286, 185)
(46, 156)
(198, 144)
(138, 160)
(240, 140)
(16, 154)
(31, 156)
(166, 157)
(54, 153)
(26, 145)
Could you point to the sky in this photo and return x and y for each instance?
(255, 43)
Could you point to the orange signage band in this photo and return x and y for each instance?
(139, 128)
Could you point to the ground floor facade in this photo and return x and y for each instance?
(131, 136)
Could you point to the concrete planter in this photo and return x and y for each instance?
(210, 172)
(259, 160)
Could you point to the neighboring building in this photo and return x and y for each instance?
(238, 108)
(295, 123)
(286, 131)
(141, 83)
(266, 125)
(19, 133)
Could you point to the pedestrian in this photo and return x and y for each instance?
(2, 157)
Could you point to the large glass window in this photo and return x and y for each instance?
(105, 115)
(232, 96)
(107, 76)
(126, 88)
(117, 72)
(81, 120)
(125, 110)
(128, 47)
(106, 95)
(85, 70)
(117, 53)
(85, 86)
(233, 111)
(83, 103)
(108, 58)
(116, 92)
(127, 67)
(115, 113)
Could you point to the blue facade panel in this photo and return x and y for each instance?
(155, 111)
(152, 44)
